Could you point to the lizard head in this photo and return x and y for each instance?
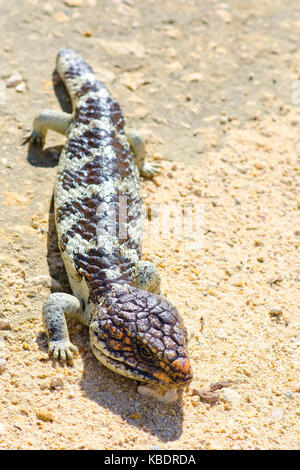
(141, 335)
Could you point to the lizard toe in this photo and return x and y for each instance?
(62, 350)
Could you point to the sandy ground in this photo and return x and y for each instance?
(213, 88)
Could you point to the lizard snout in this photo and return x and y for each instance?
(182, 369)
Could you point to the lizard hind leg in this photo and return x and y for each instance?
(147, 277)
(137, 144)
(48, 119)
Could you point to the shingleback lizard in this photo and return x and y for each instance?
(134, 331)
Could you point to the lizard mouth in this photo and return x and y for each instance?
(122, 367)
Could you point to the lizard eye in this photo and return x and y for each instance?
(145, 354)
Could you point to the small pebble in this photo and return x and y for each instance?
(221, 333)
(275, 311)
(277, 413)
(56, 384)
(238, 201)
(223, 119)
(3, 365)
(5, 325)
(259, 165)
(74, 3)
(43, 279)
(20, 87)
(275, 280)
(14, 80)
(168, 396)
(221, 384)
(207, 396)
(230, 395)
(44, 416)
(244, 171)
(54, 283)
(224, 15)
(87, 33)
(47, 8)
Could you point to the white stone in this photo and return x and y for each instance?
(14, 80)
(230, 395)
(20, 87)
(277, 413)
(3, 365)
(221, 333)
(149, 390)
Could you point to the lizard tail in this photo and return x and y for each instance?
(90, 98)
(77, 75)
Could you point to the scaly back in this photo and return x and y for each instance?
(97, 177)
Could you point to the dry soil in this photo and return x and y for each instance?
(213, 87)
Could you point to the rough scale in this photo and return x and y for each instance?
(98, 210)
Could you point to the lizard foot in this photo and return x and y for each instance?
(62, 350)
(149, 170)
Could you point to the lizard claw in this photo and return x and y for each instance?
(62, 350)
(34, 139)
(149, 170)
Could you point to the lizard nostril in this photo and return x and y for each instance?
(182, 368)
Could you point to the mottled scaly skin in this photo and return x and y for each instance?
(96, 171)
(133, 330)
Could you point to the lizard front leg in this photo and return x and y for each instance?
(56, 309)
(137, 144)
(147, 277)
(48, 119)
